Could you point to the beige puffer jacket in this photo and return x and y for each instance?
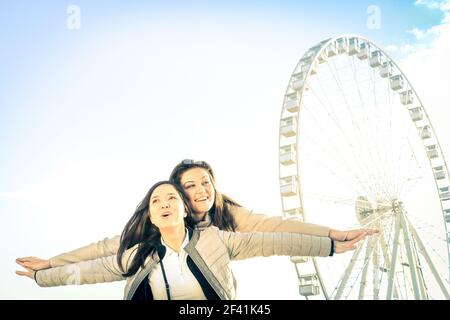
(246, 221)
(211, 250)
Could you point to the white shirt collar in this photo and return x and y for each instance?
(185, 242)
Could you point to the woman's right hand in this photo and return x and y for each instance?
(344, 246)
(34, 263)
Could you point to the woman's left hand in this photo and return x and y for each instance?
(349, 235)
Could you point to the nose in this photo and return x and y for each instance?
(200, 190)
(165, 204)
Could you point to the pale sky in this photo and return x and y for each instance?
(90, 118)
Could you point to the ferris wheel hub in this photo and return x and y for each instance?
(368, 211)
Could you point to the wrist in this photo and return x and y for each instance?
(334, 234)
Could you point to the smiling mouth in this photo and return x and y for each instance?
(202, 199)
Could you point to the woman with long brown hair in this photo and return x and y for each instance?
(161, 257)
(209, 206)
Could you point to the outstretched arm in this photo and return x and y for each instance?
(254, 244)
(104, 248)
(86, 272)
(247, 221)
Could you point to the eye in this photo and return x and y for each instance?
(172, 197)
(189, 186)
(206, 182)
(154, 201)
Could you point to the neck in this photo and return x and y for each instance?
(198, 216)
(174, 236)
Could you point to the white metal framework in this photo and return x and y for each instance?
(357, 149)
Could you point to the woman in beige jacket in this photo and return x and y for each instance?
(156, 246)
(210, 208)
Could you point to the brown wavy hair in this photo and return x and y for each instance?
(220, 214)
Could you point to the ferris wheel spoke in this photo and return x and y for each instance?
(357, 128)
(373, 126)
(329, 198)
(361, 171)
(369, 250)
(425, 254)
(394, 257)
(379, 134)
(380, 172)
(368, 124)
(329, 148)
(336, 155)
(411, 164)
(400, 178)
(375, 276)
(323, 132)
(387, 261)
(390, 103)
(411, 260)
(366, 112)
(346, 275)
(361, 187)
(408, 176)
(384, 136)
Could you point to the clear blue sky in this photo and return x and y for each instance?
(33, 34)
(88, 117)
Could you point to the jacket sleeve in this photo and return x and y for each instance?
(247, 221)
(264, 244)
(100, 270)
(106, 247)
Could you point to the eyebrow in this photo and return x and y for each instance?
(205, 176)
(158, 196)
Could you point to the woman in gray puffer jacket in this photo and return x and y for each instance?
(209, 207)
(157, 245)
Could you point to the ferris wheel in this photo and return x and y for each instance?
(357, 149)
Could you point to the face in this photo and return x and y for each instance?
(166, 208)
(198, 187)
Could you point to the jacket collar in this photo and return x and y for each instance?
(194, 235)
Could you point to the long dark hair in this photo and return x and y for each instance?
(220, 211)
(141, 231)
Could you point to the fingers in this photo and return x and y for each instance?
(357, 239)
(27, 259)
(23, 264)
(371, 231)
(28, 274)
